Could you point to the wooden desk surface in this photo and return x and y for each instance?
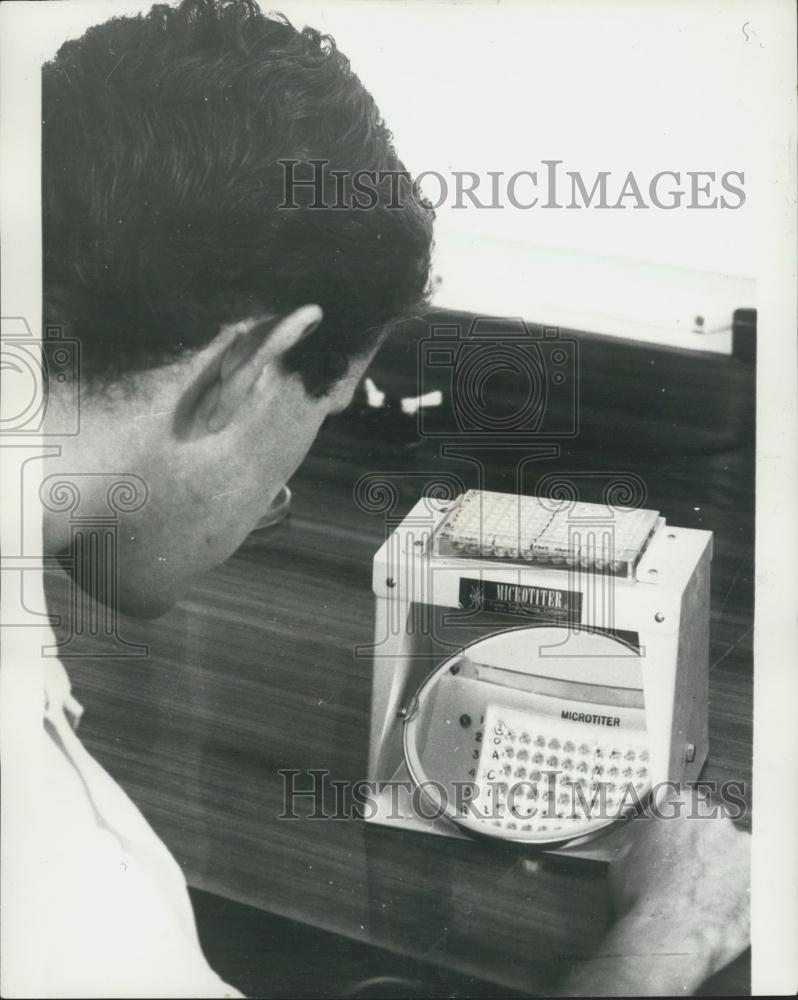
(254, 672)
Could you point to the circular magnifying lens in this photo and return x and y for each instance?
(535, 734)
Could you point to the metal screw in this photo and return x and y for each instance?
(652, 572)
(465, 721)
(689, 753)
(699, 321)
(659, 617)
(454, 669)
(390, 582)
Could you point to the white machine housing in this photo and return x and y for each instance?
(665, 601)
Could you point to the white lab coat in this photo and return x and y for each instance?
(97, 906)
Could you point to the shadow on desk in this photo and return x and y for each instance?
(267, 956)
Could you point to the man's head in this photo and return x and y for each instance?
(218, 325)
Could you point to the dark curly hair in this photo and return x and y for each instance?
(162, 143)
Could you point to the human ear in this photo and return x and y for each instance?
(238, 367)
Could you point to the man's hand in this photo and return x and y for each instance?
(681, 893)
